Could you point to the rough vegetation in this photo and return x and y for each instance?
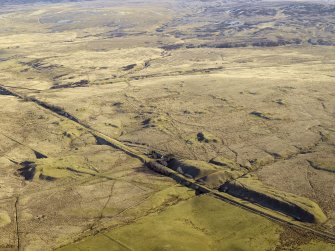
(236, 96)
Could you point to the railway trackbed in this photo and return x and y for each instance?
(154, 165)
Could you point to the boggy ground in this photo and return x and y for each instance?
(112, 66)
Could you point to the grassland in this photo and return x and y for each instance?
(243, 85)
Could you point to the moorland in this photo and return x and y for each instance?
(192, 125)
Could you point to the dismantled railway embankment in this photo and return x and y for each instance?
(157, 166)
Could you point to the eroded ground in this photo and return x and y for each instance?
(200, 80)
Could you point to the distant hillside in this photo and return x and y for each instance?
(14, 2)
